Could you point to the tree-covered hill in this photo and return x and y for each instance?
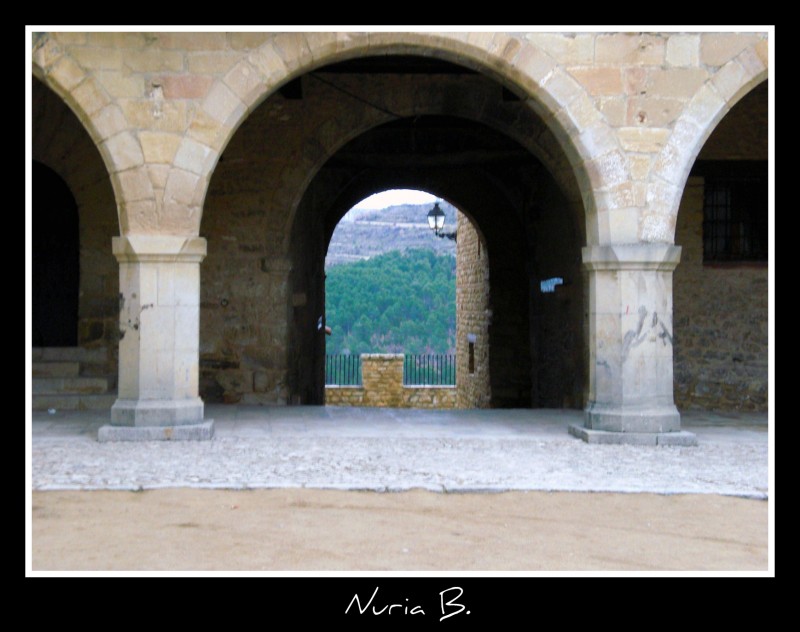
(397, 302)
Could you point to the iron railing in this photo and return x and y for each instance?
(342, 370)
(429, 370)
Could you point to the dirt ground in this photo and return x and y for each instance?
(318, 530)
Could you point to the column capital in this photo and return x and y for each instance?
(158, 249)
(632, 257)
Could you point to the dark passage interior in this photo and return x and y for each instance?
(56, 272)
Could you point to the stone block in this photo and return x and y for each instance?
(67, 73)
(246, 81)
(630, 48)
(534, 63)
(135, 184)
(97, 58)
(120, 85)
(705, 107)
(561, 87)
(65, 38)
(180, 187)
(216, 63)
(679, 438)
(154, 60)
(194, 157)
(608, 170)
(653, 111)
(56, 369)
(148, 114)
(123, 151)
(91, 96)
(109, 121)
(190, 86)
(190, 41)
(192, 432)
(683, 50)
(599, 81)
(566, 49)
(292, 48)
(762, 50)
(74, 385)
(623, 224)
(247, 41)
(613, 109)
(728, 80)
(223, 105)
(117, 40)
(717, 49)
(676, 83)
(643, 139)
(159, 147)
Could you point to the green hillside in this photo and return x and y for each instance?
(397, 302)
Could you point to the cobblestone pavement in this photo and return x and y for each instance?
(393, 450)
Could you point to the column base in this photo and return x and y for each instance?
(136, 412)
(655, 419)
(187, 432)
(675, 438)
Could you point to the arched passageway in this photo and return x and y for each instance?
(259, 340)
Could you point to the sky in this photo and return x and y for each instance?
(394, 197)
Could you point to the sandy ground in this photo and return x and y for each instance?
(317, 530)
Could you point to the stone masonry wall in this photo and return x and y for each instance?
(720, 321)
(721, 311)
(62, 144)
(620, 113)
(382, 377)
(473, 390)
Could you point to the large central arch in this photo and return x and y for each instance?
(575, 127)
(296, 197)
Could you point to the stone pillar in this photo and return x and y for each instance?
(630, 346)
(159, 280)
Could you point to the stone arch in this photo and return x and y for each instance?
(105, 123)
(583, 134)
(61, 142)
(697, 121)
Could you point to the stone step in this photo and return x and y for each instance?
(70, 354)
(74, 402)
(69, 385)
(56, 369)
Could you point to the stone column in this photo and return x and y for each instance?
(159, 281)
(630, 346)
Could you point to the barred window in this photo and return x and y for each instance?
(734, 210)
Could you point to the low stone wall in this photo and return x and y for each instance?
(382, 378)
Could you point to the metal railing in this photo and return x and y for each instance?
(342, 370)
(429, 370)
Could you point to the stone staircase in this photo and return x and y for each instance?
(69, 378)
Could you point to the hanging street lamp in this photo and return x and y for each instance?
(436, 222)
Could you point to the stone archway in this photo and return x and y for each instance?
(163, 107)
